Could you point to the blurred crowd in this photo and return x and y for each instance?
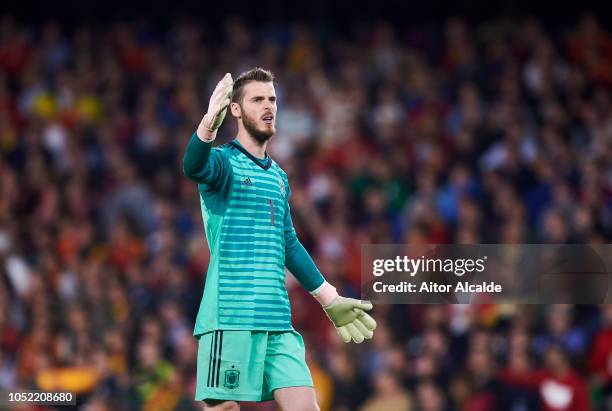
(449, 133)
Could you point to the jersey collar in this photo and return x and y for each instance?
(265, 163)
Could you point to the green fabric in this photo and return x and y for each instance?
(297, 259)
(246, 214)
(299, 262)
(249, 365)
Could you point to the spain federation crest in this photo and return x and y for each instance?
(232, 377)
(283, 191)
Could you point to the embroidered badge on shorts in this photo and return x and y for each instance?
(232, 377)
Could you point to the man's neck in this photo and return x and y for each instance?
(258, 150)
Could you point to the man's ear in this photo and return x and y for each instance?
(235, 109)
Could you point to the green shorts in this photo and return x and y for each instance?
(249, 365)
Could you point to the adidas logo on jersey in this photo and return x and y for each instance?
(247, 181)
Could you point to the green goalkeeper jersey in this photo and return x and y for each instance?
(245, 208)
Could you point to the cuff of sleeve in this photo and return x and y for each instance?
(325, 294)
(199, 142)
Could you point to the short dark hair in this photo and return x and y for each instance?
(254, 74)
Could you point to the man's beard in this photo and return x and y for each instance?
(261, 136)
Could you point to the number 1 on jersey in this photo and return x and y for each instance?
(271, 211)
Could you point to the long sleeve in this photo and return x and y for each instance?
(202, 164)
(297, 259)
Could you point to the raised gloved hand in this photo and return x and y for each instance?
(217, 107)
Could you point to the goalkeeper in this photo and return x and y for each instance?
(248, 349)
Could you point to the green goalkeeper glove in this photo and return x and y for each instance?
(350, 318)
(347, 314)
(217, 106)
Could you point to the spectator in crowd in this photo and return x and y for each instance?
(559, 385)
